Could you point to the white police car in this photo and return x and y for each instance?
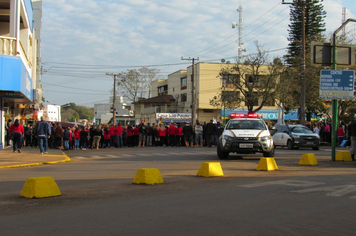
(245, 134)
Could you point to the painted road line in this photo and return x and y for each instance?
(126, 155)
(111, 156)
(297, 183)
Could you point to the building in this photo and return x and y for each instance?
(20, 89)
(172, 97)
(103, 113)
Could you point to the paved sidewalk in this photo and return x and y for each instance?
(30, 157)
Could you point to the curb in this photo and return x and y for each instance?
(66, 159)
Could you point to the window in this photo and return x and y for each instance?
(183, 83)
(162, 90)
(183, 97)
(230, 95)
(253, 79)
(230, 80)
(208, 111)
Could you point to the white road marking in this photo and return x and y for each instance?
(334, 191)
(297, 183)
(111, 156)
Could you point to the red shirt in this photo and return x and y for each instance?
(172, 130)
(179, 131)
(119, 130)
(70, 136)
(340, 132)
(162, 132)
(77, 134)
(129, 132)
(136, 131)
(18, 129)
(112, 131)
(106, 135)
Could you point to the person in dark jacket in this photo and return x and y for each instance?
(210, 132)
(84, 137)
(43, 133)
(96, 133)
(188, 135)
(66, 137)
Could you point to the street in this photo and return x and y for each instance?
(98, 197)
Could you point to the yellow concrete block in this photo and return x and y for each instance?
(148, 176)
(209, 169)
(40, 187)
(267, 163)
(343, 156)
(308, 159)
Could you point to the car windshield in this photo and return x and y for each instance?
(246, 124)
(301, 130)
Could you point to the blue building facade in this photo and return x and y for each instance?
(19, 86)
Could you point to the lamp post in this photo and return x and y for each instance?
(335, 101)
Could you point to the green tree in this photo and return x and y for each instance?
(314, 27)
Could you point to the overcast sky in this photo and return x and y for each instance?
(82, 40)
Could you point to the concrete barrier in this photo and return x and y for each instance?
(40, 187)
(267, 163)
(308, 159)
(210, 169)
(148, 176)
(343, 156)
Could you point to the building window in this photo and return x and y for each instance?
(183, 83)
(183, 97)
(163, 90)
(230, 96)
(208, 111)
(230, 80)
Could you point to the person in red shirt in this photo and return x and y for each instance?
(129, 131)
(340, 134)
(162, 131)
(112, 131)
(136, 135)
(76, 138)
(179, 135)
(17, 133)
(119, 130)
(172, 134)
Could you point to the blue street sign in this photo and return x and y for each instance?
(337, 84)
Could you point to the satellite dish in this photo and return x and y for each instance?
(223, 60)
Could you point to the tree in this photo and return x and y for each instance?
(314, 28)
(254, 83)
(72, 112)
(134, 84)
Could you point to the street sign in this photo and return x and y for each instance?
(337, 84)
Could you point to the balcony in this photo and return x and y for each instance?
(8, 47)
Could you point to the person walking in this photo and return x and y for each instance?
(43, 133)
(17, 133)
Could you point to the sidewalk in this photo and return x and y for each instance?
(30, 157)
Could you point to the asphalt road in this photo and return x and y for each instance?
(98, 197)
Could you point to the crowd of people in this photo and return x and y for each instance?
(108, 136)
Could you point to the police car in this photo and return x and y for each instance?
(245, 134)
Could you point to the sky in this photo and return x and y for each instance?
(83, 40)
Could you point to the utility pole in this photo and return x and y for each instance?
(193, 89)
(114, 98)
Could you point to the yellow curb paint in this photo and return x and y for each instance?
(267, 163)
(210, 169)
(148, 176)
(308, 159)
(343, 156)
(67, 159)
(40, 187)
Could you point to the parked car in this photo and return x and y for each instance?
(295, 136)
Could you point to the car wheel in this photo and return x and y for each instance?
(269, 154)
(316, 148)
(221, 154)
(290, 144)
